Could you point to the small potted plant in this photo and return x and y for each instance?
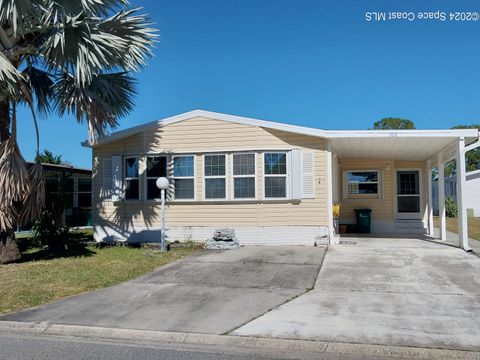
(336, 215)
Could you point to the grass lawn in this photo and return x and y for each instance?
(42, 277)
(452, 225)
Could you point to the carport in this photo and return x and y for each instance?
(390, 171)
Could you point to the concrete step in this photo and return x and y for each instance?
(408, 226)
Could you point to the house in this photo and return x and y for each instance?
(73, 187)
(472, 191)
(272, 182)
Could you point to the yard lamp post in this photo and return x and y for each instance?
(162, 184)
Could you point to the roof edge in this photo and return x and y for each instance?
(303, 130)
(122, 134)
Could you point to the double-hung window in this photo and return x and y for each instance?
(131, 177)
(362, 182)
(244, 176)
(184, 177)
(275, 178)
(156, 167)
(215, 179)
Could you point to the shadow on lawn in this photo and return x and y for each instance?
(74, 246)
(49, 254)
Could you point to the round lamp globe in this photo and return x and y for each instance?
(162, 183)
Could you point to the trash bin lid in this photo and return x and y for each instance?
(364, 210)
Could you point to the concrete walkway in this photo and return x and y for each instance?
(452, 239)
(213, 293)
(396, 292)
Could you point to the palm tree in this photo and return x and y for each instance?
(68, 56)
(47, 157)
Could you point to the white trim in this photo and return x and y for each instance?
(472, 146)
(468, 133)
(441, 196)
(462, 210)
(286, 175)
(472, 173)
(185, 177)
(233, 176)
(430, 199)
(215, 177)
(453, 133)
(421, 196)
(331, 232)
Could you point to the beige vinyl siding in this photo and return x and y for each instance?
(383, 207)
(199, 136)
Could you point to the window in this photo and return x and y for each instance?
(131, 179)
(244, 176)
(215, 181)
(84, 192)
(275, 169)
(69, 193)
(156, 167)
(183, 177)
(362, 182)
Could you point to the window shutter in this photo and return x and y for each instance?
(295, 175)
(117, 186)
(106, 192)
(308, 175)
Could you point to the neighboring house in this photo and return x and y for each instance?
(472, 191)
(272, 182)
(74, 187)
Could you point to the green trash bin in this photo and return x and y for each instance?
(363, 220)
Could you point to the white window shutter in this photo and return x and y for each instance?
(117, 183)
(106, 192)
(295, 175)
(308, 175)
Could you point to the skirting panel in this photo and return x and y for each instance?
(272, 235)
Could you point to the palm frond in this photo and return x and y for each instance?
(41, 86)
(100, 103)
(20, 14)
(8, 217)
(9, 78)
(14, 178)
(84, 45)
(34, 201)
(135, 30)
(99, 7)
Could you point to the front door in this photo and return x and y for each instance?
(408, 199)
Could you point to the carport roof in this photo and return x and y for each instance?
(393, 144)
(412, 147)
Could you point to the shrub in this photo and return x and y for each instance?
(49, 230)
(451, 208)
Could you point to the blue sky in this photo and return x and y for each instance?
(314, 63)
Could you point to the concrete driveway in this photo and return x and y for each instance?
(212, 293)
(385, 291)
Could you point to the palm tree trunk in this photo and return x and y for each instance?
(8, 247)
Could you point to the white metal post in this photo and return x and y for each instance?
(162, 243)
(430, 199)
(331, 234)
(462, 210)
(441, 197)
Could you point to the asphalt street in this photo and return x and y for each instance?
(21, 347)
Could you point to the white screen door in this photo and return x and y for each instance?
(408, 194)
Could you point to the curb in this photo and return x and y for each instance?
(249, 343)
